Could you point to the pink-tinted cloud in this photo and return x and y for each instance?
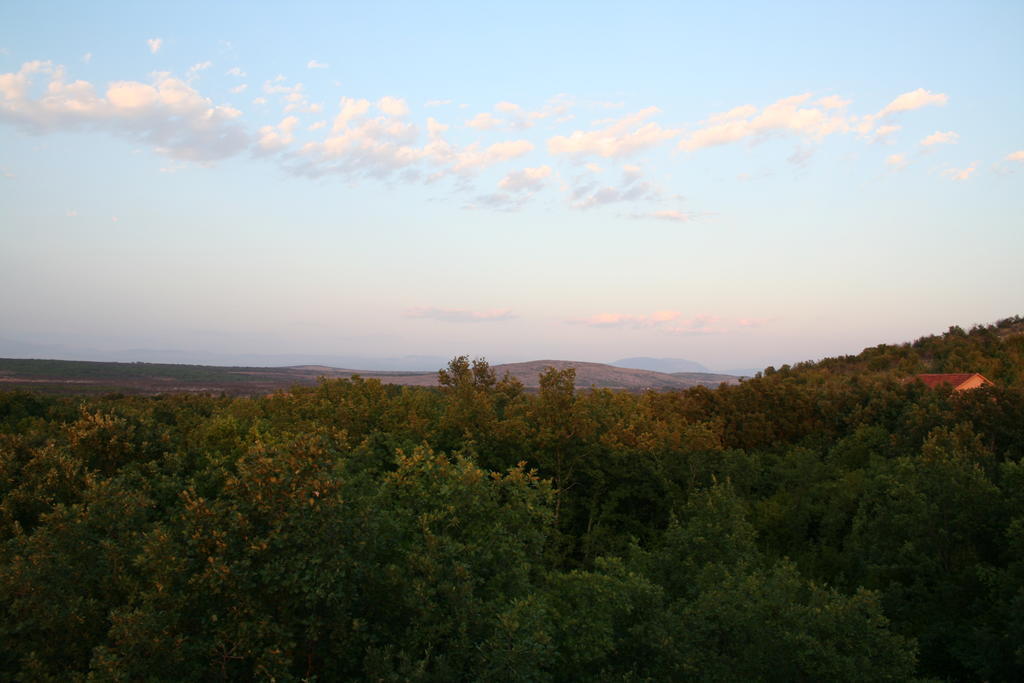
(363, 145)
(393, 106)
(273, 138)
(622, 138)
(896, 161)
(938, 138)
(167, 112)
(529, 179)
(833, 102)
(485, 121)
(796, 115)
(883, 133)
(915, 99)
(586, 193)
(784, 116)
(961, 173)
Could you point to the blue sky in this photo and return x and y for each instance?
(741, 184)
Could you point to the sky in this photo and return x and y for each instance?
(740, 184)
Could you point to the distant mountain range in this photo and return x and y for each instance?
(90, 377)
(661, 364)
(673, 365)
(603, 376)
(10, 348)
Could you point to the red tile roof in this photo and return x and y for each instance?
(955, 378)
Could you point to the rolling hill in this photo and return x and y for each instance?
(88, 377)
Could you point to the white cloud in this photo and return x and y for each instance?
(793, 115)
(155, 44)
(631, 172)
(235, 71)
(393, 106)
(485, 121)
(298, 102)
(896, 161)
(293, 96)
(166, 113)
(784, 116)
(516, 116)
(961, 173)
(273, 138)
(363, 146)
(193, 71)
(435, 129)
(437, 103)
(1016, 156)
(131, 95)
(474, 157)
(87, 57)
(744, 111)
(587, 193)
(458, 315)
(239, 88)
(71, 213)
(937, 138)
(317, 126)
(529, 179)
(556, 108)
(833, 102)
(882, 133)
(313, 64)
(590, 195)
(349, 110)
(359, 146)
(623, 137)
(915, 99)
(277, 87)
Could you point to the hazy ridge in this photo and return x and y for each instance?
(65, 376)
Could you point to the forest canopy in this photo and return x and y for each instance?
(834, 520)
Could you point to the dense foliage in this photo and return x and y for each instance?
(824, 522)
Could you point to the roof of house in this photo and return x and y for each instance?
(954, 378)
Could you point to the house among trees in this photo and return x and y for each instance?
(960, 381)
